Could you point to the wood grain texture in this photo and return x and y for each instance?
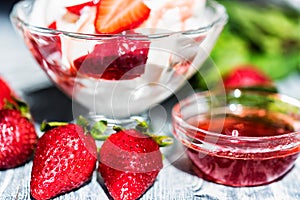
(174, 182)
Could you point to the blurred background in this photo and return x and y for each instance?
(263, 34)
(260, 34)
(17, 65)
(25, 76)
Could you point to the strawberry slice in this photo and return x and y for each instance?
(76, 9)
(52, 25)
(115, 16)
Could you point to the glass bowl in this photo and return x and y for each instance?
(239, 137)
(119, 76)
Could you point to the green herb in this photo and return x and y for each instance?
(259, 34)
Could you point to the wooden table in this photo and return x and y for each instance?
(175, 181)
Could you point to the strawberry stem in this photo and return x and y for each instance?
(17, 104)
(46, 126)
(83, 122)
(23, 108)
(118, 128)
(9, 105)
(142, 126)
(162, 140)
(98, 130)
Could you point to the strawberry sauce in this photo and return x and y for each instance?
(115, 59)
(242, 168)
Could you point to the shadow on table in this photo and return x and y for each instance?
(52, 105)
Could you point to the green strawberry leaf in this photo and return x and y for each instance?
(46, 126)
(99, 129)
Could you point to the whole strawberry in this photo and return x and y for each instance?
(5, 92)
(18, 138)
(246, 76)
(129, 163)
(65, 158)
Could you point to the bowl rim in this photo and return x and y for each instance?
(176, 116)
(219, 9)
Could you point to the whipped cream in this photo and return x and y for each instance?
(171, 60)
(174, 15)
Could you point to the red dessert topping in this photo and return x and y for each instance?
(115, 59)
(242, 168)
(52, 25)
(76, 9)
(249, 126)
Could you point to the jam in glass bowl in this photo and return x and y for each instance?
(239, 138)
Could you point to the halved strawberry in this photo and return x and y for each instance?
(115, 16)
(76, 9)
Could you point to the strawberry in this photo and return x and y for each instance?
(76, 9)
(115, 59)
(115, 16)
(52, 25)
(129, 163)
(65, 158)
(18, 137)
(246, 76)
(5, 92)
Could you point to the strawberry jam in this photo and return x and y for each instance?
(241, 166)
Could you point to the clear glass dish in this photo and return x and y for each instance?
(239, 138)
(120, 76)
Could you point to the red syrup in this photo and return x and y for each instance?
(241, 168)
(111, 59)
